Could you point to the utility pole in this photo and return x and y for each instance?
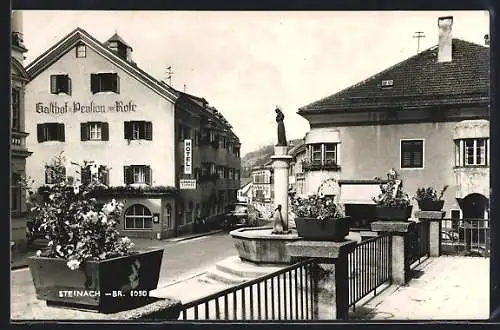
(418, 35)
(170, 74)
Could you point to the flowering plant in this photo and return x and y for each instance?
(78, 227)
(392, 194)
(318, 206)
(430, 194)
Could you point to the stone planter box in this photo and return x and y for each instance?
(427, 205)
(106, 286)
(329, 229)
(394, 213)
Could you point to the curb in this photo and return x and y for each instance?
(195, 236)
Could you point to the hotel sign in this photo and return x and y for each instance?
(189, 184)
(188, 156)
(91, 107)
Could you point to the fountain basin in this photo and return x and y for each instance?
(258, 245)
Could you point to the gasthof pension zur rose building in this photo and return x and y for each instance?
(170, 155)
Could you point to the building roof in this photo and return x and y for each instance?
(80, 36)
(298, 148)
(419, 81)
(116, 37)
(244, 182)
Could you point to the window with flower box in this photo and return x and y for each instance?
(137, 174)
(471, 152)
(138, 216)
(102, 173)
(322, 156)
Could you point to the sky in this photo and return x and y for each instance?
(247, 63)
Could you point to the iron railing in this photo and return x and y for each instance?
(287, 294)
(418, 243)
(465, 236)
(369, 266)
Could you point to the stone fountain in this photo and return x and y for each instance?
(267, 245)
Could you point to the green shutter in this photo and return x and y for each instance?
(68, 85)
(128, 175)
(127, 130)
(116, 83)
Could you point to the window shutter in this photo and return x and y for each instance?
(53, 84)
(104, 131)
(41, 132)
(94, 83)
(148, 174)
(60, 132)
(68, 85)
(149, 130)
(128, 175)
(116, 83)
(127, 130)
(84, 131)
(85, 175)
(142, 130)
(104, 175)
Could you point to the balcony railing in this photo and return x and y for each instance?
(309, 165)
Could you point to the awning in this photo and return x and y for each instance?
(358, 193)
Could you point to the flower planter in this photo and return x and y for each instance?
(329, 229)
(393, 213)
(429, 205)
(106, 286)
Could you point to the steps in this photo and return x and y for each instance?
(233, 271)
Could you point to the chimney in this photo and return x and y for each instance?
(445, 36)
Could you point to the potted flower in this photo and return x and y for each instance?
(87, 263)
(429, 200)
(393, 203)
(319, 217)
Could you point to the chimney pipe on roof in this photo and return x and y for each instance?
(445, 36)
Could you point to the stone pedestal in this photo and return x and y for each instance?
(331, 278)
(281, 163)
(435, 225)
(399, 237)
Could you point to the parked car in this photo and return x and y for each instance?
(240, 215)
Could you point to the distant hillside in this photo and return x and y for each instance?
(260, 157)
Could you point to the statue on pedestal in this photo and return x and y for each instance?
(281, 127)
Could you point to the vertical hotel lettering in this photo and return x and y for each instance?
(188, 151)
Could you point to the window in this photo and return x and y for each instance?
(168, 216)
(471, 152)
(137, 174)
(104, 82)
(138, 130)
(60, 83)
(50, 132)
(81, 51)
(220, 172)
(138, 216)
(51, 174)
(15, 193)
(324, 153)
(102, 173)
(412, 153)
(316, 152)
(94, 131)
(16, 110)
